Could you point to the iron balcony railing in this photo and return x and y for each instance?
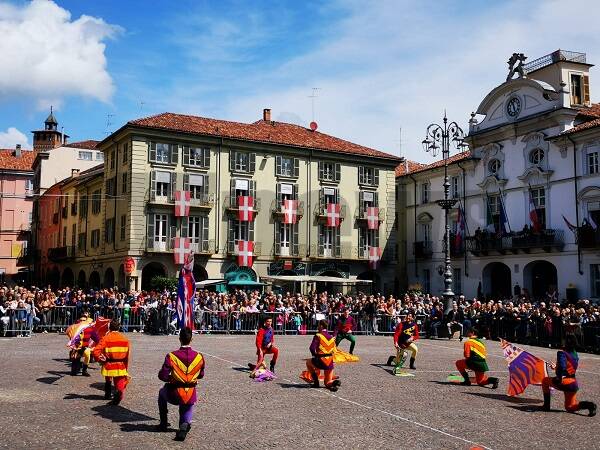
(61, 253)
(159, 244)
(558, 55)
(515, 242)
(277, 208)
(203, 201)
(204, 247)
(422, 249)
(232, 248)
(321, 211)
(291, 251)
(231, 204)
(360, 213)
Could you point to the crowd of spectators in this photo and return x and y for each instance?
(518, 319)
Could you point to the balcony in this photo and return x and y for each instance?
(292, 251)
(456, 251)
(232, 248)
(57, 254)
(159, 245)
(230, 204)
(546, 240)
(203, 201)
(343, 251)
(162, 199)
(321, 212)
(588, 238)
(204, 247)
(558, 55)
(361, 214)
(422, 249)
(277, 209)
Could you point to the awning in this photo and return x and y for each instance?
(204, 283)
(245, 283)
(314, 278)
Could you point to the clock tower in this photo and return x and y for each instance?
(49, 137)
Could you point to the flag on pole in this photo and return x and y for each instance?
(536, 225)
(182, 203)
(245, 253)
(372, 217)
(570, 226)
(333, 214)
(460, 229)
(504, 225)
(181, 248)
(374, 257)
(290, 211)
(592, 223)
(186, 291)
(245, 208)
(523, 368)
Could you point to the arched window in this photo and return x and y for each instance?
(494, 166)
(536, 156)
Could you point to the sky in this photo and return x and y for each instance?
(382, 70)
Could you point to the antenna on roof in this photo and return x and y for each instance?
(399, 142)
(142, 106)
(108, 123)
(312, 97)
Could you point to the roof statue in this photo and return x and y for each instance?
(515, 65)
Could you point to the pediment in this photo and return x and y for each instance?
(535, 175)
(424, 217)
(589, 193)
(492, 181)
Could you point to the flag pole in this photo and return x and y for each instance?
(504, 208)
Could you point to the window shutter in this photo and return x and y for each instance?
(206, 157)
(185, 223)
(362, 242)
(232, 161)
(361, 202)
(150, 229)
(152, 152)
(204, 225)
(251, 162)
(361, 175)
(278, 197)
(186, 155)
(231, 241)
(252, 186)
(250, 231)
(186, 182)
(296, 167)
(376, 199)
(321, 199)
(337, 195)
(321, 240)
(586, 89)
(232, 197)
(172, 227)
(173, 186)
(376, 177)
(321, 175)
(295, 239)
(338, 169)
(277, 229)
(376, 232)
(174, 153)
(295, 192)
(152, 185)
(277, 166)
(205, 185)
(338, 249)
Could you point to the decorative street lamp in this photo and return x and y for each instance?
(442, 137)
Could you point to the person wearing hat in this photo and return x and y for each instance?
(343, 329)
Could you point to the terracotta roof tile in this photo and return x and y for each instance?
(590, 112)
(89, 144)
(407, 167)
(424, 167)
(260, 131)
(589, 118)
(8, 160)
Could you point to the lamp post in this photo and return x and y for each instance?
(442, 137)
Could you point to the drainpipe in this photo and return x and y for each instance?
(464, 199)
(415, 223)
(115, 196)
(308, 203)
(579, 265)
(218, 199)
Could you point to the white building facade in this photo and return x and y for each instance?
(528, 189)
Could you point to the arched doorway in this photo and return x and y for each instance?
(496, 279)
(109, 278)
(540, 277)
(81, 279)
(122, 279)
(95, 280)
(68, 278)
(53, 277)
(150, 271)
(200, 273)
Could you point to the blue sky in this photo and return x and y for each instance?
(378, 65)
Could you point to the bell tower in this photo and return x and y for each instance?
(49, 137)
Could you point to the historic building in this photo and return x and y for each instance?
(252, 200)
(527, 191)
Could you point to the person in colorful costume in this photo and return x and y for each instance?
(405, 335)
(475, 359)
(265, 345)
(343, 329)
(567, 362)
(181, 371)
(82, 335)
(322, 349)
(113, 352)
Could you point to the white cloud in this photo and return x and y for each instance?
(48, 56)
(12, 137)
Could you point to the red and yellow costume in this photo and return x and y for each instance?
(113, 353)
(322, 349)
(475, 359)
(265, 345)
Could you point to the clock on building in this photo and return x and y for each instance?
(513, 107)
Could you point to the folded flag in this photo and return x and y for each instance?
(340, 356)
(523, 368)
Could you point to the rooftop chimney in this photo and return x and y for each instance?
(18, 150)
(74, 173)
(267, 114)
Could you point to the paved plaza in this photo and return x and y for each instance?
(41, 406)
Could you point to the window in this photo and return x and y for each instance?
(494, 166)
(329, 171)
(425, 229)
(196, 156)
(493, 212)
(455, 187)
(81, 242)
(536, 157)
(239, 231)
(426, 281)
(328, 195)
(425, 189)
(99, 156)
(109, 230)
(368, 176)
(124, 183)
(86, 156)
(592, 163)
(286, 166)
(329, 241)
(160, 228)
(367, 238)
(125, 152)
(197, 184)
(96, 201)
(163, 153)
(28, 185)
(241, 187)
(595, 279)
(197, 231)
(64, 237)
(457, 282)
(242, 162)
(538, 196)
(83, 205)
(576, 89)
(111, 190)
(367, 199)
(112, 159)
(123, 227)
(95, 238)
(162, 185)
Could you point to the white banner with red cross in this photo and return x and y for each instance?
(374, 257)
(373, 217)
(182, 203)
(290, 211)
(245, 253)
(245, 205)
(181, 249)
(333, 214)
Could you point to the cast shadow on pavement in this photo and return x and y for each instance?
(241, 369)
(99, 386)
(119, 414)
(532, 409)
(143, 427)
(295, 385)
(506, 398)
(384, 367)
(84, 397)
(51, 380)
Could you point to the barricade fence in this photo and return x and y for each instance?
(533, 331)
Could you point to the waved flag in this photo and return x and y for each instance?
(186, 291)
(523, 368)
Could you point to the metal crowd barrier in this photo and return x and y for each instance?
(16, 322)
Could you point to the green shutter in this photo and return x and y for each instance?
(186, 182)
(376, 199)
(250, 231)
(206, 157)
(152, 151)
(320, 249)
(174, 153)
(204, 229)
(173, 186)
(321, 170)
(232, 160)
(231, 240)
(337, 246)
(205, 185)
(376, 177)
(277, 228)
(152, 185)
(338, 170)
(150, 229)
(361, 175)
(232, 197)
(277, 166)
(252, 186)
(296, 167)
(278, 197)
(185, 223)
(186, 155)
(251, 162)
(295, 239)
